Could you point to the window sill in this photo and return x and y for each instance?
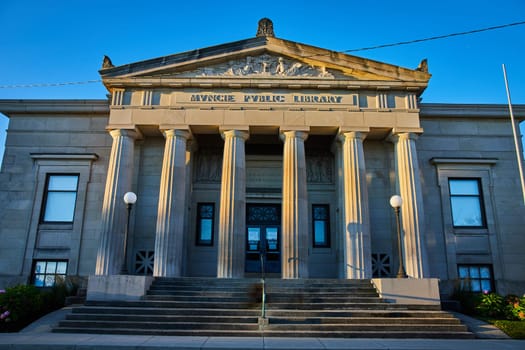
(470, 231)
(56, 226)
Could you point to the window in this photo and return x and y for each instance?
(46, 272)
(59, 199)
(476, 278)
(321, 225)
(205, 213)
(466, 203)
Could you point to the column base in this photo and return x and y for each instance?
(408, 290)
(118, 287)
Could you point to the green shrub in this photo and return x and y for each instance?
(23, 304)
(515, 307)
(491, 305)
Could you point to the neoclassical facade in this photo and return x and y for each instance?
(261, 154)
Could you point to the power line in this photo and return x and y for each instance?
(19, 86)
(436, 37)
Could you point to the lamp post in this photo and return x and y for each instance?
(129, 198)
(396, 201)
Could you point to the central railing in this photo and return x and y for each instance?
(263, 284)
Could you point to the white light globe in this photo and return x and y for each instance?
(130, 198)
(396, 201)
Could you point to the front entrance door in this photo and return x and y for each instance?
(263, 238)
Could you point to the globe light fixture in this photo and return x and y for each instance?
(129, 198)
(396, 202)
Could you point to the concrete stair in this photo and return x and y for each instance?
(232, 307)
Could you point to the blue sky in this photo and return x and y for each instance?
(64, 41)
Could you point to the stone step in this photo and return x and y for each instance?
(126, 310)
(295, 308)
(165, 311)
(280, 333)
(196, 289)
(361, 320)
(366, 327)
(310, 320)
(319, 299)
(404, 314)
(203, 298)
(157, 325)
(162, 318)
(348, 306)
(176, 304)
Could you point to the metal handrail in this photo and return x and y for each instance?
(263, 283)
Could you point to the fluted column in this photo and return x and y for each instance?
(169, 238)
(113, 218)
(294, 207)
(357, 242)
(407, 169)
(231, 250)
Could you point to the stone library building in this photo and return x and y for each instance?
(262, 153)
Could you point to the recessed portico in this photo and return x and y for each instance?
(262, 123)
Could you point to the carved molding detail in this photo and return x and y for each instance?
(262, 66)
(319, 168)
(208, 167)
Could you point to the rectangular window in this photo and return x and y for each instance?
(205, 214)
(59, 199)
(47, 272)
(321, 225)
(466, 203)
(476, 278)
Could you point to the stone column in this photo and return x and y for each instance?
(357, 242)
(413, 226)
(294, 207)
(113, 218)
(231, 250)
(169, 238)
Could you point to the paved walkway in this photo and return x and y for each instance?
(38, 336)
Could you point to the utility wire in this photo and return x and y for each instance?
(18, 86)
(436, 37)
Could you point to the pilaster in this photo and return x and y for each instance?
(118, 182)
(169, 237)
(357, 241)
(231, 249)
(294, 207)
(407, 170)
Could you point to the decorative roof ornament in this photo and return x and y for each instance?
(423, 66)
(265, 28)
(106, 62)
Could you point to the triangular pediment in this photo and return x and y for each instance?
(264, 58)
(263, 66)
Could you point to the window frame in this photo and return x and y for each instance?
(327, 241)
(45, 273)
(479, 196)
(463, 281)
(46, 197)
(198, 236)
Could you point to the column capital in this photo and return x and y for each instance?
(361, 135)
(400, 134)
(185, 134)
(243, 134)
(288, 134)
(133, 133)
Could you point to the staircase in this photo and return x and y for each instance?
(232, 307)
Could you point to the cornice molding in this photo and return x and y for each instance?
(9, 107)
(444, 110)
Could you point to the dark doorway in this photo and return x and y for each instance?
(263, 238)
